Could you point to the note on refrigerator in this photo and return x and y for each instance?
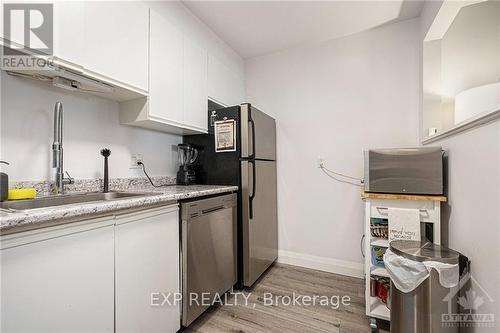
(225, 135)
(404, 224)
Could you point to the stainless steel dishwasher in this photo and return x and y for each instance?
(208, 252)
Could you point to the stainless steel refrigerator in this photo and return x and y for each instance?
(251, 165)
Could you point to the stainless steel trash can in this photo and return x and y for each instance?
(421, 310)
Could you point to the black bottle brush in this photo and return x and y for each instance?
(106, 152)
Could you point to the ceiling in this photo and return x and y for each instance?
(254, 28)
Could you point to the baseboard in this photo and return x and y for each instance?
(343, 267)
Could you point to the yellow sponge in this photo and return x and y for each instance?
(25, 193)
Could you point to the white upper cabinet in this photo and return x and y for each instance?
(195, 85)
(178, 96)
(1, 25)
(225, 86)
(166, 90)
(161, 73)
(69, 33)
(116, 41)
(105, 38)
(67, 24)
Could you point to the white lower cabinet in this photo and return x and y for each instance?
(147, 261)
(59, 279)
(96, 275)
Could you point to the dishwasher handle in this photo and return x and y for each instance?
(212, 209)
(197, 208)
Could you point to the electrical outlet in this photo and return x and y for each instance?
(134, 159)
(321, 162)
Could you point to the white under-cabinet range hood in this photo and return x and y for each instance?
(66, 79)
(61, 74)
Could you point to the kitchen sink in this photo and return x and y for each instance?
(68, 199)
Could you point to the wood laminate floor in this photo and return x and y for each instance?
(283, 280)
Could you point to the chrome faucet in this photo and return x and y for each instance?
(57, 151)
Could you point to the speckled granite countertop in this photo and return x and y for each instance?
(16, 221)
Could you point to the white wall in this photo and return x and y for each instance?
(467, 56)
(90, 123)
(334, 100)
(473, 210)
(471, 49)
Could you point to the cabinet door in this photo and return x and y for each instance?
(68, 32)
(237, 89)
(59, 279)
(2, 35)
(224, 85)
(166, 70)
(195, 85)
(147, 261)
(66, 21)
(116, 40)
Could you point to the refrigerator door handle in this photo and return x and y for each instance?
(251, 122)
(252, 196)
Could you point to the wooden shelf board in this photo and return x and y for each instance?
(410, 197)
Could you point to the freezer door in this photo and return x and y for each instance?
(258, 134)
(259, 218)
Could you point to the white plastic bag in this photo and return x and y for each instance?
(407, 274)
(448, 274)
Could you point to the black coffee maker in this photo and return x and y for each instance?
(187, 156)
